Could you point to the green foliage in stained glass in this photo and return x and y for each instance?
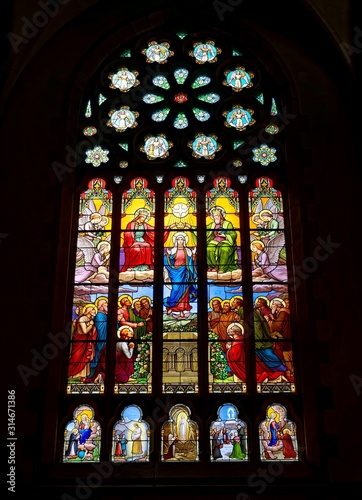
(181, 34)
(210, 98)
(152, 98)
(180, 121)
(161, 81)
(160, 115)
(201, 81)
(123, 145)
(181, 75)
(126, 53)
(201, 115)
(237, 144)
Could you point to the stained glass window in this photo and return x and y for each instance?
(180, 436)
(82, 437)
(181, 283)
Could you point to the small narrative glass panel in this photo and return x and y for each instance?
(82, 437)
(133, 358)
(131, 437)
(180, 436)
(228, 436)
(278, 436)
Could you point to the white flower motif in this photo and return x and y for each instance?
(97, 156)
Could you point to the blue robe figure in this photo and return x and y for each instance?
(180, 265)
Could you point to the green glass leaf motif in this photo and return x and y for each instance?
(201, 81)
(161, 81)
(160, 115)
(201, 115)
(181, 75)
(180, 121)
(152, 98)
(210, 98)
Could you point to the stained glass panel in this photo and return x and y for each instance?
(131, 437)
(228, 435)
(82, 437)
(180, 436)
(180, 371)
(273, 340)
(278, 435)
(90, 292)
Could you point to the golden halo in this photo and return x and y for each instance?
(255, 215)
(121, 328)
(98, 299)
(177, 235)
(237, 297)
(108, 245)
(143, 211)
(235, 324)
(147, 298)
(262, 297)
(259, 243)
(122, 297)
(273, 410)
(90, 306)
(215, 298)
(265, 211)
(278, 300)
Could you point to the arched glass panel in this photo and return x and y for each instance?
(82, 437)
(131, 437)
(278, 435)
(180, 293)
(228, 435)
(90, 292)
(180, 436)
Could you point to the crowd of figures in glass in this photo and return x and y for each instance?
(228, 435)
(180, 292)
(90, 292)
(88, 359)
(271, 315)
(224, 273)
(82, 437)
(180, 436)
(135, 293)
(278, 435)
(270, 320)
(131, 437)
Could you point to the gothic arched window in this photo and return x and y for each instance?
(182, 277)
